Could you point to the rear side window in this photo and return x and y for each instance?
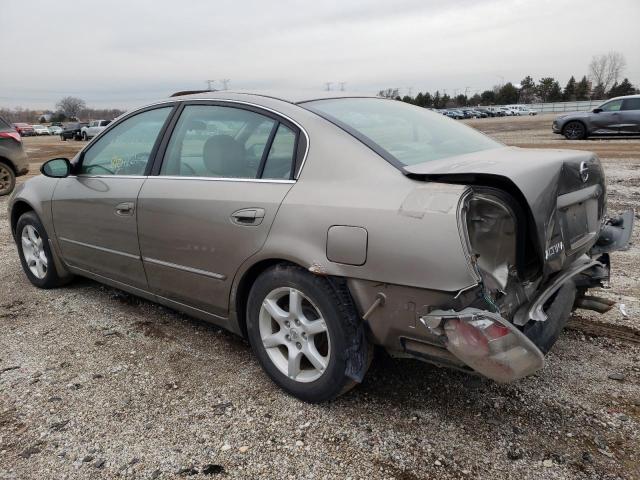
(280, 158)
(400, 133)
(631, 104)
(4, 125)
(214, 141)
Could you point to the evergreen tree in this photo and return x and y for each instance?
(582, 89)
(527, 90)
(624, 88)
(569, 93)
(598, 93)
(507, 94)
(488, 97)
(437, 101)
(407, 99)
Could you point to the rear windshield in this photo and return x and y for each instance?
(400, 132)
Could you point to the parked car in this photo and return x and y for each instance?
(24, 129)
(40, 130)
(487, 111)
(13, 160)
(522, 110)
(618, 116)
(55, 130)
(72, 131)
(455, 114)
(497, 111)
(93, 128)
(259, 214)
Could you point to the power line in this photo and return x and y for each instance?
(209, 84)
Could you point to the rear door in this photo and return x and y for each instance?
(630, 113)
(95, 211)
(225, 171)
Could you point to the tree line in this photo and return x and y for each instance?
(601, 83)
(67, 109)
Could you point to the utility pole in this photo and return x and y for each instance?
(342, 84)
(410, 91)
(328, 85)
(225, 83)
(466, 90)
(209, 83)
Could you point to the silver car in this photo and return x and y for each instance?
(618, 116)
(320, 226)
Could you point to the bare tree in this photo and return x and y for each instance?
(606, 69)
(71, 106)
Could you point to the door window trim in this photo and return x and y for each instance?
(301, 146)
(154, 151)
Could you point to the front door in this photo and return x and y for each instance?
(609, 118)
(224, 175)
(95, 210)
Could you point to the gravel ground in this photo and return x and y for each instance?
(95, 383)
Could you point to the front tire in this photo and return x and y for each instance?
(7, 179)
(35, 254)
(306, 333)
(85, 137)
(575, 131)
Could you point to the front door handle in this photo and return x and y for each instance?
(125, 209)
(248, 216)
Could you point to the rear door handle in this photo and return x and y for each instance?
(248, 216)
(125, 209)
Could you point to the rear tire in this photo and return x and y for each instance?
(35, 254)
(574, 131)
(7, 179)
(85, 137)
(306, 333)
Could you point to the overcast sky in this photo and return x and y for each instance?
(115, 53)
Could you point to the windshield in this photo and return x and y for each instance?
(401, 132)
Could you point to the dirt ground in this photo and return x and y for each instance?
(95, 383)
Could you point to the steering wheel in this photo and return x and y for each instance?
(110, 172)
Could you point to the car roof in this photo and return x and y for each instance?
(290, 96)
(637, 95)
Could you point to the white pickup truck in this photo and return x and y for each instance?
(94, 128)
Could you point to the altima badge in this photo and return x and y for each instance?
(584, 172)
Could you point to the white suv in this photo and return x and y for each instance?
(94, 128)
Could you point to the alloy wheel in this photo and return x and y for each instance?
(33, 251)
(294, 334)
(574, 131)
(6, 180)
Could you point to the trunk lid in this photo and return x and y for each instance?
(564, 191)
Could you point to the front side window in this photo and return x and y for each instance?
(613, 106)
(226, 142)
(399, 132)
(126, 148)
(631, 104)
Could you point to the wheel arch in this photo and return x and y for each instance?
(9, 163)
(19, 208)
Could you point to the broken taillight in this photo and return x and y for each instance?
(491, 346)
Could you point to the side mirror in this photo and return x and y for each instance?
(597, 110)
(56, 168)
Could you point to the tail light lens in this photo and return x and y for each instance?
(491, 346)
(14, 135)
